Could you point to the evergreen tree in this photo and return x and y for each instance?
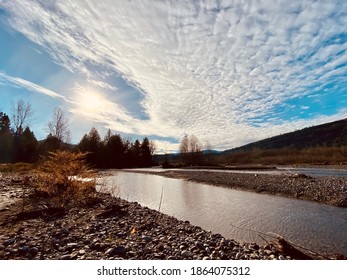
(113, 151)
(91, 143)
(4, 123)
(146, 154)
(50, 144)
(29, 146)
(135, 160)
(6, 139)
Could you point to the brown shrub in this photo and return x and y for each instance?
(65, 178)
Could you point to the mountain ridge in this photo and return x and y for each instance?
(327, 134)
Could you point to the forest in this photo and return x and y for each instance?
(19, 144)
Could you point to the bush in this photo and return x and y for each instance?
(65, 178)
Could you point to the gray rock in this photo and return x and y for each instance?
(73, 255)
(185, 254)
(65, 257)
(199, 245)
(24, 249)
(71, 245)
(268, 252)
(109, 251)
(9, 241)
(131, 254)
(120, 250)
(147, 238)
(224, 242)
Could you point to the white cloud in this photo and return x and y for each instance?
(203, 67)
(19, 82)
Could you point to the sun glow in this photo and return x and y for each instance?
(91, 101)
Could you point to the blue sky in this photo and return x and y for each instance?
(230, 72)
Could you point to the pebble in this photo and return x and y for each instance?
(24, 249)
(74, 254)
(65, 257)
(71, 245)
(119, 250)
(185, 254)
(109, 252)
(9, 241)
(147, 238)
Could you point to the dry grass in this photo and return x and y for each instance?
(65, 178)
(16, 167)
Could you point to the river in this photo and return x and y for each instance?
(316, 226)
(281, 170)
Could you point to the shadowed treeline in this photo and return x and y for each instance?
(115, 152)
(21, 145)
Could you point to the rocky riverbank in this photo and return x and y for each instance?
(113, 229)
(329, 190)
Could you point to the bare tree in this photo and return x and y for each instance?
(194, 149)
(190, 149)
(58, 126)
(184, 145)
(194, 144)
(152, 147)
(184, 148)
(21, 114)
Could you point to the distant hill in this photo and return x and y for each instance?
(328, 134)
(333, 134)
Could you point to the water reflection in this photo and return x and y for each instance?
(310, 224)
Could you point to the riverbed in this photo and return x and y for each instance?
(234, 213)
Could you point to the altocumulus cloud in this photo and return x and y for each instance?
(219, 69)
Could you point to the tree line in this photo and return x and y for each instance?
(19, 144)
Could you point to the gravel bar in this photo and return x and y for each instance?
(329, 190)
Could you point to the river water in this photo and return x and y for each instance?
(316, 226)
(310, 171)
